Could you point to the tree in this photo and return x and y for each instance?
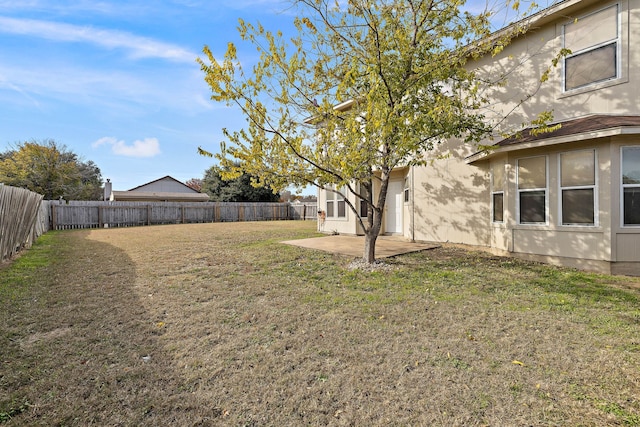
(51, 170)
(194, 184)
(238, 189)
(364, 87)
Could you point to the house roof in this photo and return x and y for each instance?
(162, 179)
(580, 129)
(165, 189)
(124, 196)
(562, 9)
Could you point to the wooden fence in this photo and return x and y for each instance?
(76, 215)
(24, 216)
(19, 210)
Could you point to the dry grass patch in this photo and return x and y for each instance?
(219, 324)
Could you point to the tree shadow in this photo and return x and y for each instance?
(85, 350)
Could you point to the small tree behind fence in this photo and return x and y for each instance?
(19, 210)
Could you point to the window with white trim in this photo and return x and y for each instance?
(630, 185)
(336, 206)
(497, 192)
(532, 190)
(594, 42)
(578, 187)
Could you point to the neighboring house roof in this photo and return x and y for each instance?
(165, 189)
(588, 127)
(164, 182)
(142, 196)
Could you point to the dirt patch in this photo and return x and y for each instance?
(220, 324)
(38, 337)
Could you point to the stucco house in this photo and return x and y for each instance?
(165, 189)
(570, 197)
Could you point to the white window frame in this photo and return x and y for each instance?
(617, 41)
(623, 186)
(336, 199)
(495, 191)
(594, 187)
(531, 190)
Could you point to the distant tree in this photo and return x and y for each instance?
(50, 169)
(195, 184)
(286, 196)
(239, 189)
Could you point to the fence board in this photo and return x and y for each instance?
(19, 211)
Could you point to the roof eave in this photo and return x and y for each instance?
(577, 137)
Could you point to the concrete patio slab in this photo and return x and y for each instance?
(386, 246)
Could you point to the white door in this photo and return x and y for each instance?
(393, 223)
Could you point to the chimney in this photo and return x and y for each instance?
(107, 190)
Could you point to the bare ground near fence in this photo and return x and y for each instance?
(220, 324)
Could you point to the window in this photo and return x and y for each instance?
(631, 185)
(406, 190)
(594, 44)
(364, 208)
(336, 206)
(532, 190)
(497, 192)
(578, 187)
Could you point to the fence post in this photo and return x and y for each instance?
(182, 214)
(148, 214)
(100, 225)
(53, 217)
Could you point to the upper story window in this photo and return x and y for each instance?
(630, 185)
(532, 190)
(578, 187)
(497, 192)
(594, 41)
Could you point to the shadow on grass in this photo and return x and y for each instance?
(76, 344)
(582, 285)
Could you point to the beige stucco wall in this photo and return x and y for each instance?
(346, 225)
(452, 198)
(525, 60)
(553, 238)
(350, 224)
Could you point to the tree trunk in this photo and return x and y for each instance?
(370, 247)
(375, 223)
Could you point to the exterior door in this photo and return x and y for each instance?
(393, 223)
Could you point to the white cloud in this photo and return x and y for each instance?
(148, 147)
(137, 46)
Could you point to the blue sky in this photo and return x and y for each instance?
(117, 81)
